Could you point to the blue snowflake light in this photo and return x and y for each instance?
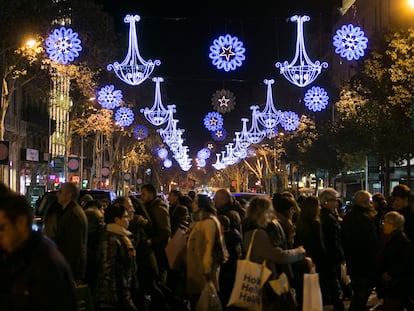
(350, 42)
(290, 121)
(316, 99)
(63, 45)
(203, 153)
(219, 135)
(167, 163)
(124, 116)
(213, 121)
(109, 98)
(140, 132)
(162, 153)
(227, 53)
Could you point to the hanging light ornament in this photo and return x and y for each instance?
(290, 121)
(109, 98)
(270, 116)
(219, 135)
(272, 132)
(167, 163)
(213, 121)
(134, 69)
(63, 45)
(157, 114)
(227, 53)
(316, 99)
(140, 132)
(223, 101)
(219, 165)
(256, 135)
(301, 71)
(204, 153)
(350, 42)
(124, 116)
(162, 153)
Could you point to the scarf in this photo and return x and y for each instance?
(124, 233)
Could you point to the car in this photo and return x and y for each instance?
(48, 198)
(247, 196)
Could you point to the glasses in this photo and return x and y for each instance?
(386, 222)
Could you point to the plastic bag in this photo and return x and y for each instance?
(209, 300)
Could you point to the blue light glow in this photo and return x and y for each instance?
(203, 153)
(227, 52)
(124, 116)
(350, 42)
(167, 163)
(109, 98)
(219, 135)
(140, 132)
(63, 45)
(316, 99)
(213, 121)
(290, 121)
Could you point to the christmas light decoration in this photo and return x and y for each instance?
(157, 114)
(223, 101)
(213, 121)
(219, 135)
(140, 132)
(124, 116)
(290, 121)
(270, 116)
(167, 163)
(255, 134)
(227, 52)
(63, 45)
(316, 99)
(350, 42)
(301, 71)
(134, 69)
(204, 153)
(162, 153)
(109, 98)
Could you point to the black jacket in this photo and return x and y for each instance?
(36, 278)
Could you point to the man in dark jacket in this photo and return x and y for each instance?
(360, 241)
(33, 273)
(72, 230)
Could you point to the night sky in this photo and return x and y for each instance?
(179, 35)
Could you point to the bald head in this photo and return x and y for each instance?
(363, 198)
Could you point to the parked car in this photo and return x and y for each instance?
(247, 196)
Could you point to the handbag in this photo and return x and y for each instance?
(312, 296)
(84, 298)
(250, 278)
(280, 285)
(209, 300)
(175, 249)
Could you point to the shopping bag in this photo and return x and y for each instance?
(312, 296)
(209, 300)
(250, 278)
(280, 285)
(175, 248)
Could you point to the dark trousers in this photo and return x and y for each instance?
(330, 288)
(361, 290)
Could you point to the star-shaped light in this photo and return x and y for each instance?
(227, 52)
(224, 101)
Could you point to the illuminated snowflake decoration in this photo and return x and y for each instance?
(350, 42)
(109, 98)
(162, 153)
(227, 53)
(223, 101)
(140, 132)
(63, 45)
(316, 99)
(290, 121)
(204, 153)
(219, 135)
(124, 116)
(167, 163)
(213, 121)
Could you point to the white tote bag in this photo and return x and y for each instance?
(250, 277)
(312, 296)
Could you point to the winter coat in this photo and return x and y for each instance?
(331, 232)
(37, 277)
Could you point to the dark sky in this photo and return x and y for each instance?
(179, 35)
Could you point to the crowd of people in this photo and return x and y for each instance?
(118, 250)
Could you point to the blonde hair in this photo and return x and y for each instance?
(395, 219)
(256, 212)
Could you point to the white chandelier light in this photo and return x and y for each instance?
(301, 71)
(270, 116)
(134, 69)
(218, 165)
(256, 135)
(157, 114)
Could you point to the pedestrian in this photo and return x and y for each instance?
(34, 275)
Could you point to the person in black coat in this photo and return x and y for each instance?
(395, 264)
(34, 275)
(360, 241)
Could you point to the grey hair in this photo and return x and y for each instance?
(396, 219)
(327, 194)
